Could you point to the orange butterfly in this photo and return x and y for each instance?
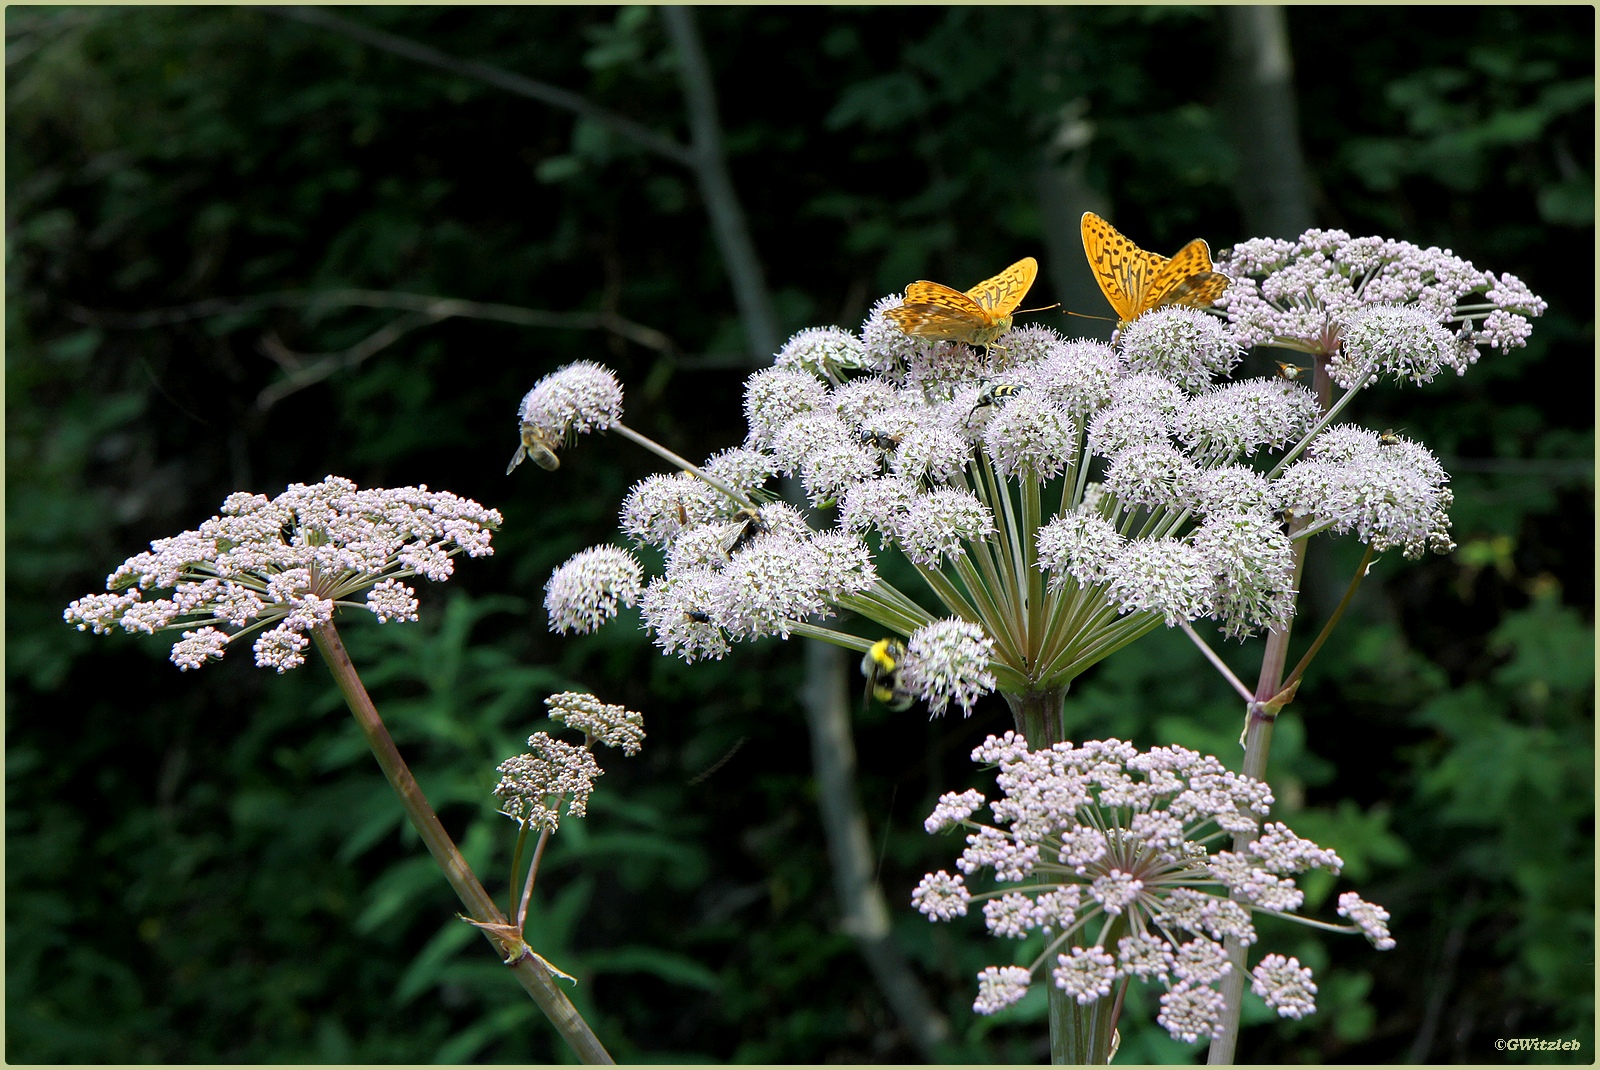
(1135, 281)
(977, 317)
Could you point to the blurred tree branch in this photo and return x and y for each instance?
(705, 157)
(716, 189)
(303, 370)
(1259, 112)
(498, 77)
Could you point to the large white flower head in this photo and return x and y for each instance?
(276, 568)
(587, 591)
(1112, 852)
(1140, 483)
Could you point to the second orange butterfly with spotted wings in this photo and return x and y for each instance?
(1135, 281)
(977, 317)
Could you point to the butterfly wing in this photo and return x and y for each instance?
(1124, 271)
(1198, 290)
(1001, 295)
(1187, 279)
(932, 310)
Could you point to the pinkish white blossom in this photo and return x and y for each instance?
(280, 567)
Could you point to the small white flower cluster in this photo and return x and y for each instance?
(1396, 308)
(1106, 833)
(615, 726)
(948, 660)
(533, 786)
(1387, 489)
(281, 566)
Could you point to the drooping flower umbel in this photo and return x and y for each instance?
(281, 566)
(1114, 854)
(1057, 499)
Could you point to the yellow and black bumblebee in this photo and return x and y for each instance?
(1288, 516)
(1389, 437)
(994, 394)
(1291, 372)
(539, 446)
(881, 666)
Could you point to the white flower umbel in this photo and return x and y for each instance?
(1058, 498)
(615, 726)
(1116, 854)
(1313, 293)
(534, 785)
(281, 566)
(1390, 493)
(585, 592)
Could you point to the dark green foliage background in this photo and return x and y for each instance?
(209, 867)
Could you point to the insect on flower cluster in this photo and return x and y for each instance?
(1057, 498)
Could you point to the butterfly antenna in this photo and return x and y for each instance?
(1046, 308)
(1086, 316)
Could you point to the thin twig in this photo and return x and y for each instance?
(667, 455)
(306, 369)
(498, 77)
(441, 308)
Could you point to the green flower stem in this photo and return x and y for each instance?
(533, 873)
(948, 593)
(996, 621)
(1054, 636)
(1216, 662)
(1031, 578)
(885, 606)
(480, 908)
(1011, 539)
(1323, 384)
(1100, 643)
(1257, 741)
(996, 590)
(1299, 669)
(672, 458)
(828, 635)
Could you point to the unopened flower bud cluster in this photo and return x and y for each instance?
(534, 786)
(281, 566)
(1112, 852)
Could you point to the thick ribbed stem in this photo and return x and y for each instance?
(1079, 1035)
